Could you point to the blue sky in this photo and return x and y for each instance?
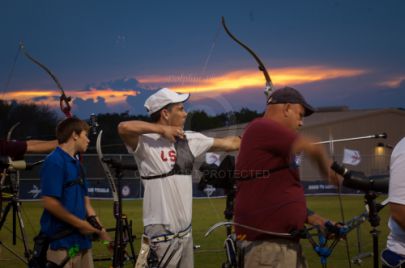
(111, 55)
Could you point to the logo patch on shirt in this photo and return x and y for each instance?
(168, 156)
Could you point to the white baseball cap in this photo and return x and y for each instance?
(162, 98)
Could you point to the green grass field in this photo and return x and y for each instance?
(206, 213)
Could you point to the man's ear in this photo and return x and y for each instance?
(286, 109)
(74, 136)
(165, 114)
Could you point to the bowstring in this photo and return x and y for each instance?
(3, 92)
(203, 72)
(211, 50)
(8, 82)
(339, 191)
(342, 215)
(11, 73)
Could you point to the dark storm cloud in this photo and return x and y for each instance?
(85, 107)
(118, 84)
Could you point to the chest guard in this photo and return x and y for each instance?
(184, 161)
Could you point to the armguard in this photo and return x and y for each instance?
(93, 222)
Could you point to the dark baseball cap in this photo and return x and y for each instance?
(290, 95)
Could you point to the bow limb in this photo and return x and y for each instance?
(107, 171)
(64, 100)
(11, 130)
(230, 223)
(269, 84)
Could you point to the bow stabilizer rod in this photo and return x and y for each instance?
(374, 136)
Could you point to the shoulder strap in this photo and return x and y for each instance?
(79, 180)
(259, 174)
(74, 182)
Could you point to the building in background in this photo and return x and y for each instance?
(337, 123)
(340, 122)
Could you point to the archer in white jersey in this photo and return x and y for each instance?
(164, 153)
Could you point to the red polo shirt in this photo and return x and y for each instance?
(274, 202)
(13, 149)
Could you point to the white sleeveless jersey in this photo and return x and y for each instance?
(396, 194)
(167, 200)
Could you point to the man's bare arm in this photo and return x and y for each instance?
(317, 154)
(398, 214)
(91, 212)
(227, 144)
(55, 208)
(38, 146)
(315, 219)
(130, 131)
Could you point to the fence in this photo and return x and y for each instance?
(131, 185)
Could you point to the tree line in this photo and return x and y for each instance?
(39, 122)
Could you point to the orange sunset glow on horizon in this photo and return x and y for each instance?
(223, 83)
(238, 80)
(111, 96)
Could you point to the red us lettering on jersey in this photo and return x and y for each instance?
(171, 156)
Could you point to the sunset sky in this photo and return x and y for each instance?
(111, 55)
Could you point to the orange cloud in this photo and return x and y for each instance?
(394, 82)
(227, 82)
(26, 95)
(237, 80)
(111, 96)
